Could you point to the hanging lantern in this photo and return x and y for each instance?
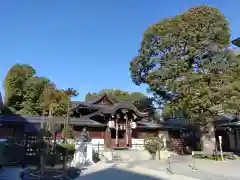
(111, 124)
(133, 125)
(134, 116)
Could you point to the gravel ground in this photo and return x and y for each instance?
(205, 169)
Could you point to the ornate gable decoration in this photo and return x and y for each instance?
(104, 99)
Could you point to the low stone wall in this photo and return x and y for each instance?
(138, 144)
(98, 144)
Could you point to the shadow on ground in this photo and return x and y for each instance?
(10, 174)
(116, 174)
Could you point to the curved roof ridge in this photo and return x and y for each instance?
(100, 97)
(125, 105)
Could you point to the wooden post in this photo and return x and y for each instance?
(193, 161)
(67, 119)
(64, 128)
(129, 136)
(116, 142)
(126, 131)
(107, 138)
(43, 120)
(237, 134)
(220, 144)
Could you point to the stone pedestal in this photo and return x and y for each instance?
(79, 158)
(89, 153)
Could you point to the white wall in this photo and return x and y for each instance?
(98, 144)
(138, 144)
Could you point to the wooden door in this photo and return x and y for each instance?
(118, 138)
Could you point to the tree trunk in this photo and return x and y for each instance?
(208, 139)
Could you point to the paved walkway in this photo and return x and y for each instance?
(205, 170)
(153, 170)
(10, 174)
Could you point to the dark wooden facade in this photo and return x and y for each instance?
(123, 114)
(95, 116)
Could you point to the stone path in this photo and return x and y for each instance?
(10, 174)
(206, 170)
(153, 170)
(117, 174)
(131, 155)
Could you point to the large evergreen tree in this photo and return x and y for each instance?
(185, 61)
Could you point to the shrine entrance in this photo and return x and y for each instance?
(120, 129)
(118, 138)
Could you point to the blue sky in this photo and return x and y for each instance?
(86, 44)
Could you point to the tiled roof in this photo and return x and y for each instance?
(109, 109)
(99, 98)
(148, 124)
(74, 104)
(38, 119)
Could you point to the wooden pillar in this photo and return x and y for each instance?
(107, 140)
(129, 137)
(231, 140)
(237, 138)
(126, 133)
(116, 140)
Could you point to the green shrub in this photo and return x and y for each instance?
(62, 148)
(153, 144)
(64, 153)
(69, 147)
(96, 157)
(214, 157)
(69, 133)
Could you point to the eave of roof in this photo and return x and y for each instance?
(110, 109)
(230, 124)
(98, 99)
(74, 104)
(85, 121)
(57, 120)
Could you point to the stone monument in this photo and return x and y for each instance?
(83, 153)
(84, 136)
